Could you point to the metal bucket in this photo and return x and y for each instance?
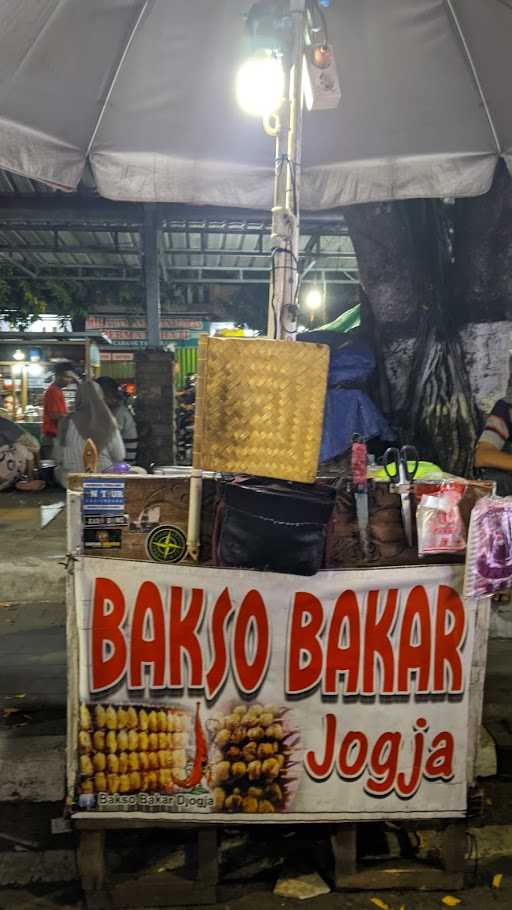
(46, 471)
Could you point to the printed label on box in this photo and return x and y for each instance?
(104, 497)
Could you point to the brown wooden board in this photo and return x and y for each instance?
(152, 502)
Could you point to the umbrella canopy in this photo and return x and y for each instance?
(144, 91)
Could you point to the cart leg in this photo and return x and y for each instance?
(454, 850)
(207, 856)
(93, 871)
(344, 845)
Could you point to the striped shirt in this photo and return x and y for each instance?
(128, 430)
(498, 427)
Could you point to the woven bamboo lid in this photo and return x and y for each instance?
(259, 407)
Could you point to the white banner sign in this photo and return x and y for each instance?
(215, 693)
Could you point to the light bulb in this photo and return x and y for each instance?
(35, 369)
(17, 369)
(18, 355)
(314, 299)
(260, 85)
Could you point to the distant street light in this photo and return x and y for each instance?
(314, 299)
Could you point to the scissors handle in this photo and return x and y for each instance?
(409, 454)
(391, 462)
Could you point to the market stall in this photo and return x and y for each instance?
(26, 359)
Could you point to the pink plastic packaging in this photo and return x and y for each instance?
(439, 522)
(489, 557)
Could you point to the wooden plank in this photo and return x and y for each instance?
(476, 683)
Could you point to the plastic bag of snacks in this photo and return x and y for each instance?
(439, 522)
(489, 556)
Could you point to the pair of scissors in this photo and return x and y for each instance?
(401, 465)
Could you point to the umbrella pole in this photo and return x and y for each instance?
(284, 276)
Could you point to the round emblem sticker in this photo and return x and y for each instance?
(166, 544)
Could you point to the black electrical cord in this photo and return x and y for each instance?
(293, 307)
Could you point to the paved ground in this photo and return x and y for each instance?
(32, 609)
(480, 898)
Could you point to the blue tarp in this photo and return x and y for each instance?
(350, 410)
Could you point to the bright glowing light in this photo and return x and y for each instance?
(18, 355)
(35, 369)
(17, 369)
(260, 85)
(314, 299)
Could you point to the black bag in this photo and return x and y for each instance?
(273, 525)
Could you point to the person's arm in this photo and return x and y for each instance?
(116, 448)
(488, 456)
(489, 451)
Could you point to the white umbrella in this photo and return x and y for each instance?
(145, 92)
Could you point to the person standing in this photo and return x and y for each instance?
(91, 419)
(116, 402)
(54, 405)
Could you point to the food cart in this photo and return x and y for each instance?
(204, 696)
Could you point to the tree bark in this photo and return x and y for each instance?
(431, 272)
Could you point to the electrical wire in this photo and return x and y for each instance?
(274, 268)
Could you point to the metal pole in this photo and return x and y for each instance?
(152, 277)
(284, 279)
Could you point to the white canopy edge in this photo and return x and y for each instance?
(154, 178)
(33, 154)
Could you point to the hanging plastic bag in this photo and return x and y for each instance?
(439, 522)
(489, 557)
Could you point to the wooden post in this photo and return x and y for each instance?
(344, 846)
(93, 870)
(207, 856)
(454, 848)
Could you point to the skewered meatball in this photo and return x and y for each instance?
(84, 742)
(221, 772)
(85, 717)
(99, 761)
